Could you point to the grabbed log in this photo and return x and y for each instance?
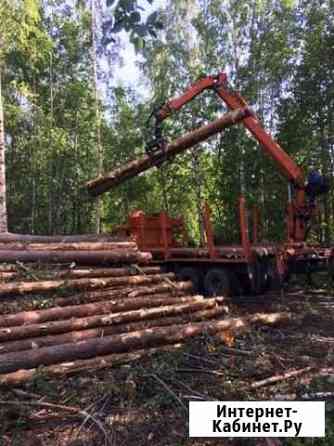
(114, 178)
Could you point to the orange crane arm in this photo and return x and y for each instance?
(194, 90)
(234, 101)
(285, 163)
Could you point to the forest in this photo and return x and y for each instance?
(207, 274)
(67, 117)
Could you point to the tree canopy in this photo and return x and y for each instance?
(278, 54)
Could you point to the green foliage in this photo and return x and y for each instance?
(127, 15)
(278, 54)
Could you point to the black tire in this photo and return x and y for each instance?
(217, 282)
(274, 279)
(258, 276)
(193, 275)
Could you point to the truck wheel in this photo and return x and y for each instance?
(217, 283)
(258, 276)
(193, 275)
(274, 280)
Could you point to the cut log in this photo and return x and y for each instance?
(7, 289)
(101, 320)
(82, 272)
(106, 272)
(177, 289)
(133, 168)
(80, 257)
(59, 313)
(28, 238)
(116, 293)
(188, 313)
(174, 288)
(7, 268)
(70, 368)
(80, 246)
(123, 343)
(4, 275)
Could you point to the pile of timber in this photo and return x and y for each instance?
(112, 319)
(83, 250)
(61, 319)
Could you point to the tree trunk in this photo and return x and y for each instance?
(3, 201)
(99, 149)
(122, 343)
(133, 168)
(135, 313)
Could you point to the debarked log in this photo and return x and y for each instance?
(100, 320)
(80, 272)
(79, 246)
(80, 257)
(59, 313)
(9, 237)
(69, 368)
(178, 314)
(123, 343)
(176, 289)
(105, 272)
(135, 167)
(8, 289)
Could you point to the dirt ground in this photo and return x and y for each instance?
(145, 403)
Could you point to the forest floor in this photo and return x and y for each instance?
(145, 403)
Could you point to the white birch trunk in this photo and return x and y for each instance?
(3, 202)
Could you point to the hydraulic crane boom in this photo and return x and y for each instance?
(299, 210)
(234, 101)
(301, 207)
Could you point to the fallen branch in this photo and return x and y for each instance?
(69, 409)
(169, 390)
(278, 378)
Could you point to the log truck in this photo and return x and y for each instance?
(221, 269)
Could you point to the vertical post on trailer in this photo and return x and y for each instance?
(299, 235)
(164, 235)
(256, 222)
(141, 241)
(244, 229)
(209, 231)
(290, 215)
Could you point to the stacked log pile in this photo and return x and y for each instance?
(67, 318)
(99, 252)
